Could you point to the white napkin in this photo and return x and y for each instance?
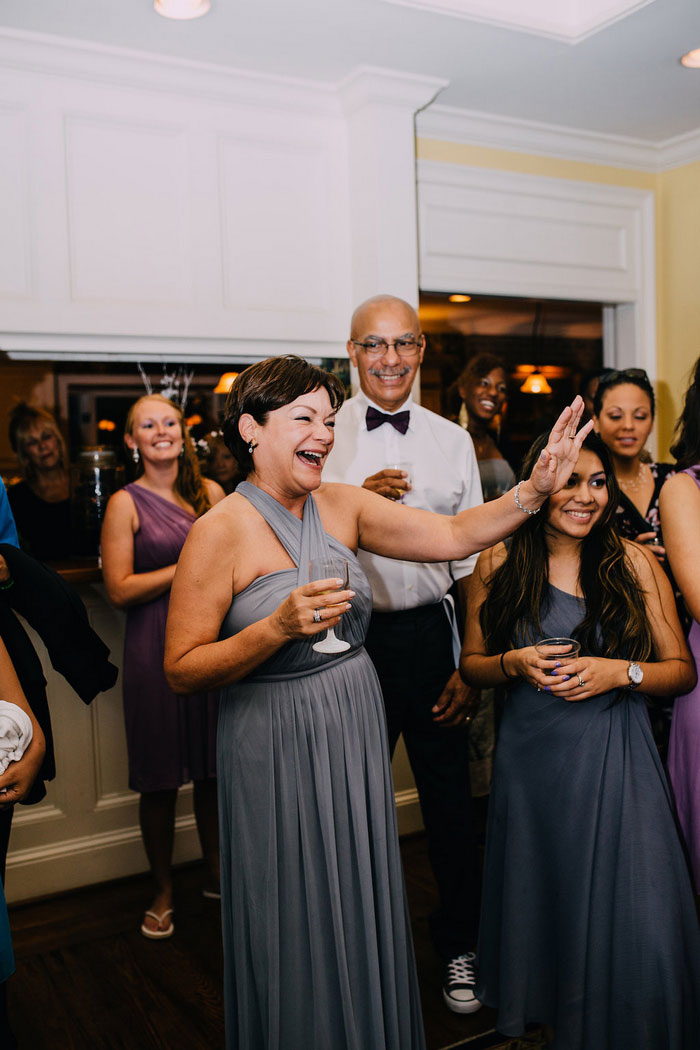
(15, 733)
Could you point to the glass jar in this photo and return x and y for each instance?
(94, 477)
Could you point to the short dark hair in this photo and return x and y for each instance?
(482, 365)
(612, 378)
(266, 386)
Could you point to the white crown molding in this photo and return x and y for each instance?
(99, 63)
(683, 149)
(450, 124)
(567, 21)
(369, 85)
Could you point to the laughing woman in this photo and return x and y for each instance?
(588, 923)
(317, 945)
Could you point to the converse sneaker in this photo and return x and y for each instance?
(458, 985)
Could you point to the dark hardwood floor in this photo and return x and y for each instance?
(87, 980)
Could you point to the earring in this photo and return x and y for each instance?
(251, 446)
(182, 451)
(135, 455)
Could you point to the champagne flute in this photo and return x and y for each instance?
(324, 569)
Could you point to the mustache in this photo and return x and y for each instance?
(401, 370)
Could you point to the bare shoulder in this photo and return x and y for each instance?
(336, 493)
(493, 557)
(214, 491)
(121, 508)
(642, 563)
(679, 489)
(223, 521)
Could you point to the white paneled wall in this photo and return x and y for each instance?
(503, 233)
(140, 204)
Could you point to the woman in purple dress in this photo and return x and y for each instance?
(680, 518)
(170, 739)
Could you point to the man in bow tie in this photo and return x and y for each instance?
(411, 639)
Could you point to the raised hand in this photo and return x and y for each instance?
(558, 459)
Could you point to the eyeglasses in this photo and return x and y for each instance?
(378, 347)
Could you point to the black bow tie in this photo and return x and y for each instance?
(375, 418)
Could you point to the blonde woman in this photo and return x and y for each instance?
(170, 739)
(40, 502)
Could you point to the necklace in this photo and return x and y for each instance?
(634, 484)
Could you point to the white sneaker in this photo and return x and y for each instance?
(458, 985)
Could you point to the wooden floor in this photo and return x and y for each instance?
(87, 980)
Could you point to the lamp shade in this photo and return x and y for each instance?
(536, 384)
(225, 383)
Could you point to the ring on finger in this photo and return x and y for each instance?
(317, 615)
(580, 680)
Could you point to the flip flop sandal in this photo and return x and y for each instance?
(158, 935)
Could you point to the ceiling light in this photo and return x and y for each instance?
(182, 9)
(692, 59)
(460, 298)
(536, 383)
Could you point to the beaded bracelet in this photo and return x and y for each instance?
(519, 505)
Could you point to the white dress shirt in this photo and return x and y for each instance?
(444, 477)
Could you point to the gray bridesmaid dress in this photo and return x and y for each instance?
(317, 944)
(588, 922)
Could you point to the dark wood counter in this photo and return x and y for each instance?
(78, 570)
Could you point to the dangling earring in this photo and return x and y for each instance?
(135, 456)
(182, 450)
(251, 446)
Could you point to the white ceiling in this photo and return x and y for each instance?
(624, 80)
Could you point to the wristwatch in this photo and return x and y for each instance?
(635, 675)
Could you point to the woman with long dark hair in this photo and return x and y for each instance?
(680, 517)
(170, 739)
(624, 406)
(588, 924)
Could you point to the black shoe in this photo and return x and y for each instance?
(458, 985)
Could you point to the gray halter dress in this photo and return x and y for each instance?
(317, 944)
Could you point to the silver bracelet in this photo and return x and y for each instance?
(519, 505)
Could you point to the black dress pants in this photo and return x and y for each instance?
(412, 652)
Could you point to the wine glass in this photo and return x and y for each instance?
(324, 569)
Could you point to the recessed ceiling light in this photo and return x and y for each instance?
(182, 9)
(692, 59)
(460, 298)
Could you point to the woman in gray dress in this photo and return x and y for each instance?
(588, 923)
(317, 945)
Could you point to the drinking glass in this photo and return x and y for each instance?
(408, 470)
(569, 647)
(324, 569)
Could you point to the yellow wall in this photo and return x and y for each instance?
(677, 215)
